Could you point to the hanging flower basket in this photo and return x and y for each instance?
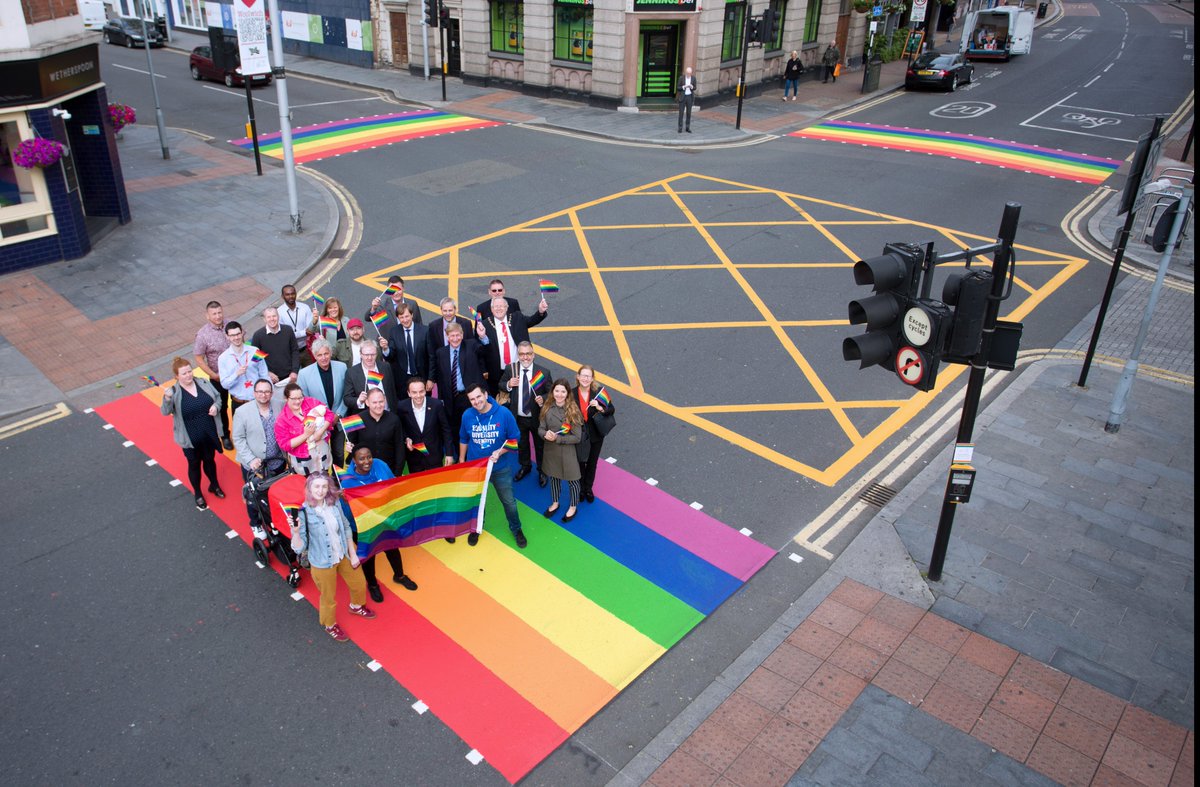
(122, 115)
(37, 152)
(862, 6)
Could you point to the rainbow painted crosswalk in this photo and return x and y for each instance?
(323, 140)
(966, 147)
(515, 649)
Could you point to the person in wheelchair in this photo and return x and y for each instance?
(258, 454)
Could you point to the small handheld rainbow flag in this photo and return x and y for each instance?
(391, 289)
(341, 473)
(374, 377)
(289, 511)
(352, 423)
(259, 355)
(317, 299)
(565, 428)
(379, 318)
(511, 445)
(538, 378)
(603, 399)
(545, 285)
(310, 419)
(149, 379)
(474, 315)
(420, 447)
(329, 324)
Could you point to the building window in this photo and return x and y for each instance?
(24, 201)
(508, 27)
(812, 21)
(780, 9)
(733, 33)
(573, 30)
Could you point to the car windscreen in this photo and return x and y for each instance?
(934, 60)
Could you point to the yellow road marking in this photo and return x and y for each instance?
(59, 410)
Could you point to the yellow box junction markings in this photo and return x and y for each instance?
(834, 223)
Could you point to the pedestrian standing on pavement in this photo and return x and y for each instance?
(500, 332)
(686, 95)
(322, 530)
(238, 367)
(279, 343)
(598, 421)
(561, 425)
(526, 384)
(791, 76)
(210, 343)
(487, 431)
(298, 316)
(830, 61)
(192, 405)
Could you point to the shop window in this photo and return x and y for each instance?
(780, 9)
(573, 31)
(733, 33)
(508, 27)
(812, 21)
(24, 201)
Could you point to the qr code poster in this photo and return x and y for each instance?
(250, 21)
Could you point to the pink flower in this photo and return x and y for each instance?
(37, 152)
(121, 115)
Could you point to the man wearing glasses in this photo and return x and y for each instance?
(496, 290)
(237, 366)
(252, 423)
(526, 393)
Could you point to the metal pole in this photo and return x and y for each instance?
(1116, 411)
(442, 41)
(966, 427)
(285, 120)
(1122, 242)
(741, 87)
(253, 124)
(158, 115)
(425, 47)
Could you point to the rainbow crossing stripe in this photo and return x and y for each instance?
(323, 140)
(967, 147)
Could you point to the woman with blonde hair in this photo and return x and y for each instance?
(598, 421)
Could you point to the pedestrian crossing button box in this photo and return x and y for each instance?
(962, 479)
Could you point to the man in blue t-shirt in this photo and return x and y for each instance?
(489, 430)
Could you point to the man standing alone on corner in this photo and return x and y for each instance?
(830, 61)
(687, 97)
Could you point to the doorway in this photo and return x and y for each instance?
(660, 61)
(453, 53)
(399, 25)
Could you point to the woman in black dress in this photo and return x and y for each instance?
(192, 403)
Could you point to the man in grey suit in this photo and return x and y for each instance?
(324, 380)
(254, 439)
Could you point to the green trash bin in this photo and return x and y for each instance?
(871, 76)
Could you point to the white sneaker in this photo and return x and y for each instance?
(259, 533)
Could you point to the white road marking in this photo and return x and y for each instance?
(420, 707)
(474, 757)
(696, 505)
(652, 481)
(374, 666)
(140, 71)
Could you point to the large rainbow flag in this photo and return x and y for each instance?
(515, 649)
(312, 143)
(412, 509)
(967, 147)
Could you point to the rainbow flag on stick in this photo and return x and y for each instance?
(474, 315)
(545, 285)
(352, 423)
(258, 355)
(342, 473)
(374, 378)
(317, 299)
(149, 379)
(510, 445)
(603, 399)
(410, 510)
(391, 289)
(289, 510)
(421, 447)
(329, 324)
(565, 428)
(538, 378)
(378, 319)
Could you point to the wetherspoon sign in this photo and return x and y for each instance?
(661, 6)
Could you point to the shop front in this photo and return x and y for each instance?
(662, 35)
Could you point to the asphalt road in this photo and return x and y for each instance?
(142, 644)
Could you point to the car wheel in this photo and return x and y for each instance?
(196, 73)
(954, 83)
(229, 80)
(129, 42)
(107, 39)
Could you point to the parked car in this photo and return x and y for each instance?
(203, 67)
(127, 31)
(933, 69)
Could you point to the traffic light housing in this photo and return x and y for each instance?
(443, 13)
(924, 331)
(893, 277)
(431, 13)
(752, 28)
(968, 293)
(766, 29)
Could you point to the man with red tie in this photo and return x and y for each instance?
(501, 333)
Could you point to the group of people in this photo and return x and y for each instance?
(310, 390)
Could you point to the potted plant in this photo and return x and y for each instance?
(37, 152)
(122, 115)
(862, 6)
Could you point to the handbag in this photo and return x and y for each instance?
(604, 422)
(837, 70)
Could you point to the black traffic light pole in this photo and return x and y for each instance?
(979, 364)
(443, 34)
(741, 87)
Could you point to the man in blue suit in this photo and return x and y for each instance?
(407, 350)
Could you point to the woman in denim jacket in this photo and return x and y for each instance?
(321, 529)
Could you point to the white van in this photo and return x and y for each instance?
(997, 33)
(94, 13)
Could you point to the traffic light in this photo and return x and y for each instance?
(443, 13)
(893, 278)
(968, 293)
(431, 13)
(752, 26)
(766, 30)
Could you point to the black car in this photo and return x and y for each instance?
(933, 69)
(123, 30)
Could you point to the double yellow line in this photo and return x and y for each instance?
(59, 410)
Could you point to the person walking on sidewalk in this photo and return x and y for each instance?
(687, 98)
(791, 76)
(830, 61)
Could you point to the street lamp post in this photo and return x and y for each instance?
(158, 115)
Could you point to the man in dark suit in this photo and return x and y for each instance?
(392, 303)
(436, 337)
(527, 385)
(496, 290)
(501, 333)
(685, 93)
(407, 350)
(355, 396)
(382, 432)
(424, 421)
(456, 367)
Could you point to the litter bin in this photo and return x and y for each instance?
(871, 74)
(1042, 7)
(161, 23)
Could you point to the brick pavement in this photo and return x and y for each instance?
(788, 713)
